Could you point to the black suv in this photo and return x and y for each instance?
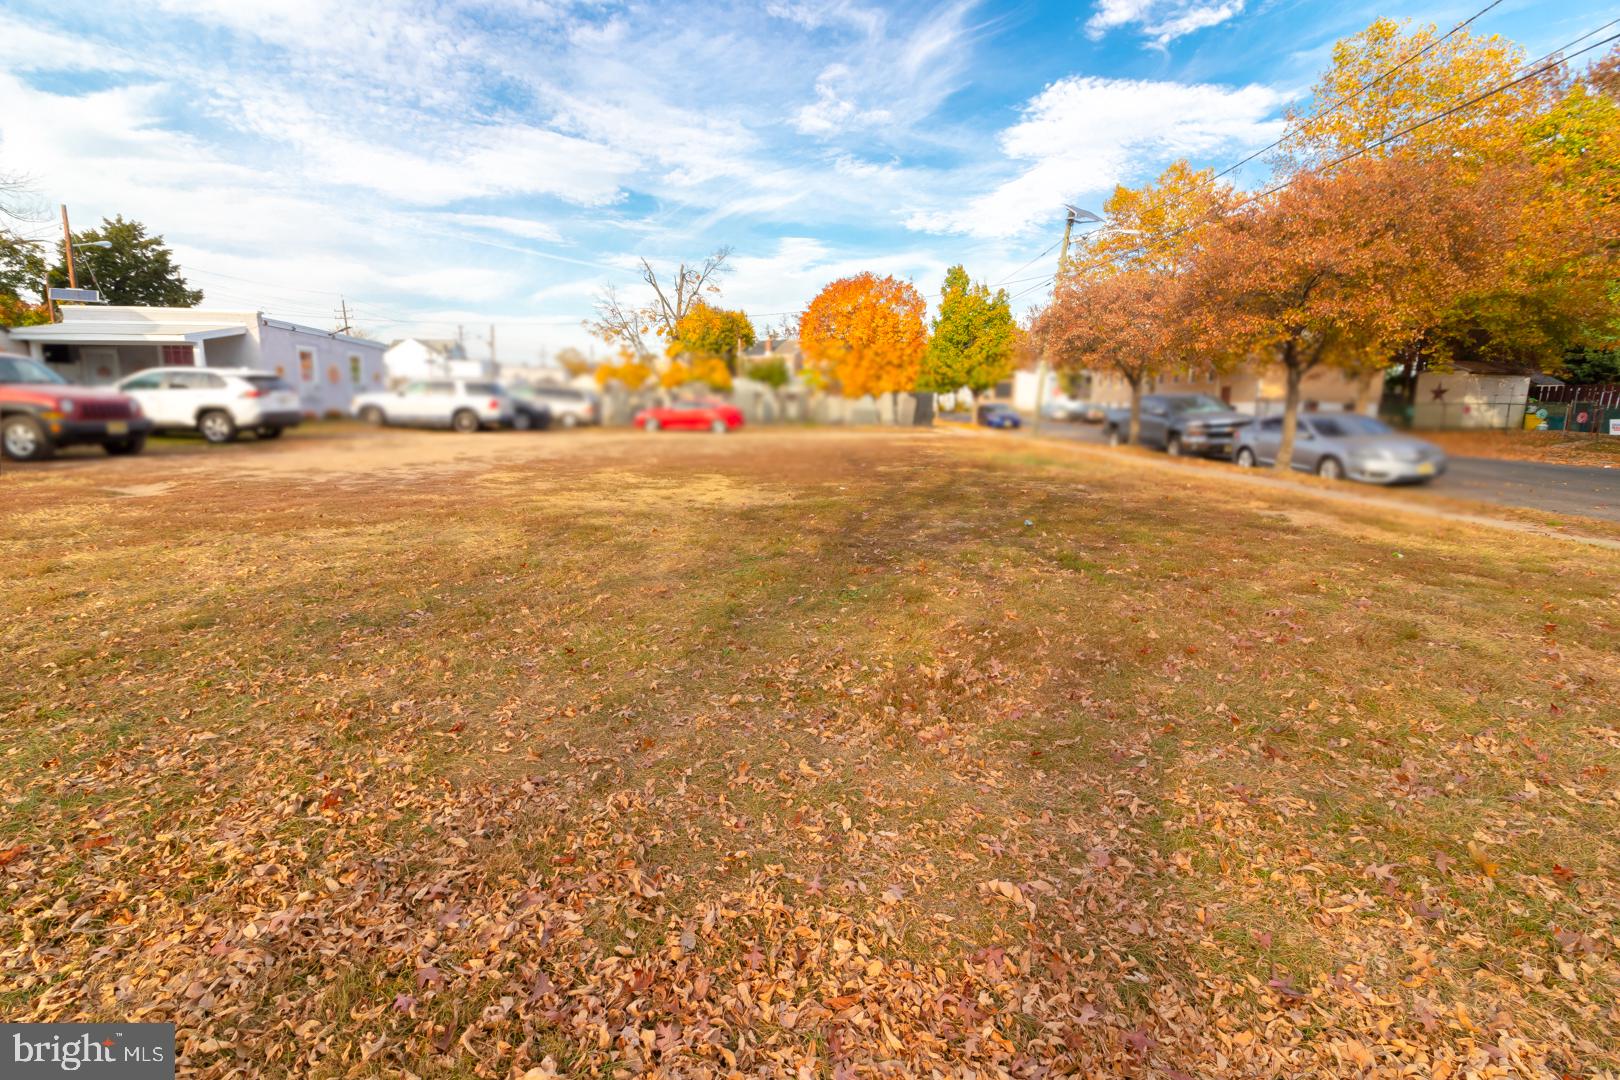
(1180, 424)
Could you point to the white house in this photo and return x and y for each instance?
(434, 358)
(94, 345)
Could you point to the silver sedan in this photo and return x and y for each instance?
(1344, 446)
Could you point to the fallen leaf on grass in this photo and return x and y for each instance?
(1482, 859)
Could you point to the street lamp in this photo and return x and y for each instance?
(104, 245)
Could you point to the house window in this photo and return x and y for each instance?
(354, 368)
(306, 365)
(179, 356)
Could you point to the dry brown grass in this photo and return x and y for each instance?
(1552, 447)
(798, 752)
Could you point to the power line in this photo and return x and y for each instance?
(1334, 107)
(1386, 140)
(1358, 91)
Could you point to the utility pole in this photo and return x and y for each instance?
(1074, 214)
(344, 329)
(492, 360)
(67, 249)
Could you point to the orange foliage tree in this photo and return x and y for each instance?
(867, 333)
(1130, 322)
(1536, 141)
(1338, 270)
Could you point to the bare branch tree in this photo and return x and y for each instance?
(686, 287)
(618, 322)
(627, 324)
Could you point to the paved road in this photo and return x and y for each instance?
(1591, 491)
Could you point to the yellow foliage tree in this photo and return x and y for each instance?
(1388, 77)
(630, 371)
(867, 334)
(1155, 226)
(708, 331)
(710, 371)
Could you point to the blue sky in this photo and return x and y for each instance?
(455, 162)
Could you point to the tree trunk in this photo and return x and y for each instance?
(1296, 374)
(1134, 434)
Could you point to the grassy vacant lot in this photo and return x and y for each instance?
(820, 754)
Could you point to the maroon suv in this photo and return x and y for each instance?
(41, 411)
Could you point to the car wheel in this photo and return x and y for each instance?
(1245, 458)
(522, 421)
(217, 426)
(268, 432)
(373, 415)
(569, 420)
(1114, 437)
(24, 439)
(651, 424)
(718, 427)
(464, 421)
(1330, 468)
(133, 444)
(1172, 445)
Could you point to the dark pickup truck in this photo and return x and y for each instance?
(1180, 424)
(41, 411)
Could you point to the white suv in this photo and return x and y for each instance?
(570, 407)
(219, 402)
(453, 403)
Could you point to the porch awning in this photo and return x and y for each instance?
(129, 333)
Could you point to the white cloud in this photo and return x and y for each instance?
(814, 16)
(1084, 134)
(1161, 21)
(893, 79)
(831, 111)
(527, 228)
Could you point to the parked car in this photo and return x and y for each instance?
(458, 404)
(40, 411)
(569, 406)
(997, 415)
(1344, 446)
(716, 416)
(1180, 424)
(218, 402)
(1072, 409)
(528, 414)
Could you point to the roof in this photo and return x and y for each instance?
(97, 331)
(283, 324)
(450, 347)
(773, 347)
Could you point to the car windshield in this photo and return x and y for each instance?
(1195, 403)
(20, 369)
(1340, 427)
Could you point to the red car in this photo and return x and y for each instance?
(715, 416)
(41, 411)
